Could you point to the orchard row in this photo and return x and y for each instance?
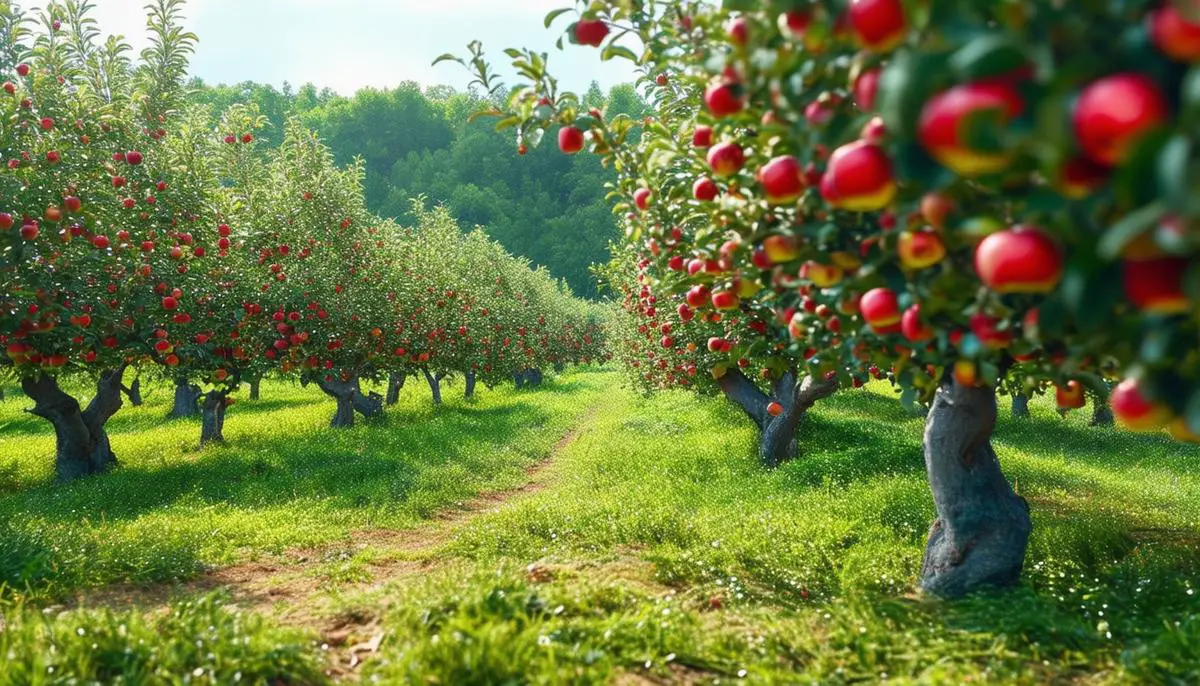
(137, 231)
(959, 195)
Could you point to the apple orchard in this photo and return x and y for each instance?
(960, 196)
(138, 231)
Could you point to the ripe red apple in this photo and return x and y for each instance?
(570, 140)
(935, 207)
(879, 25)
(641, 198)
(697, 296)
(987, 329)
(738, 32)
(723, 98)
(133, 157)
(912, 327)
(725, 300)
(169, 303)
(29, 231)
(782, 180)
(1136, 412)
(1070, 396)
(943, 128)
(1177, 36)
(705, 189)
(247, 137)
(874, 131)
(1023, 259)
(72, 203)
(6, 221)
(774, 409)
(702, 137)
(46, 123)
(920, 249)
(1108, 134)
(23, 69)
(726, 158)
(100, 242)
(590, 32)
(1155, 284)
(881, 310)
(865, 87)
(859, 178)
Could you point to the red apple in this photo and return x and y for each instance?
(705, 189)
(72, 203)
(944, 122)
(780, 249)
(133, 157)
(1070, 396)
(912, 327)
(702, 137)
(879, 25)
(1136, 412)
(782, 180)
(1176, 35)
(881, 310)
(723, 98)
(822, 275)
(6, 221)
(641, 198)
(726, 158)
(1107, 134)
(169, 303)
(1155, 284)
(987, 329)
(590, 32)
(29, 231)
(738, 33)
(1023, 259)
(865, 87)
(774, 409)
(570, 140)
(725, 300)
(859, 178)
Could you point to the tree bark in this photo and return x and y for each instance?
(1020, 406)
(395, 383)
(534, 377)
(212, 424)
(343, 393)
(519, 379)
(134, 392)
(369, 405)
(81, 443)
(982, 528)
(777, 434)
(187, 399)
(1101, 413)
(435, 385)
(255, 388)
(470, 383)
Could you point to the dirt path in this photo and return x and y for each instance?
(292, 590)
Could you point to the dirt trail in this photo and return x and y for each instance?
(290, 589)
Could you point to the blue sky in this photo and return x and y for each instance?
(348, 44)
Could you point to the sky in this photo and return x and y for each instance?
(348, 44)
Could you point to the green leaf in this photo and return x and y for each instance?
(447, 57)
(611, 51)
(1173, 170)
(988, 56)
(554, 14)
(507, 123)
(1130, 227)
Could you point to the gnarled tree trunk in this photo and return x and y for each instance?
(470, 383)
(369, 405)
(1101, 413)
(81, 443)
(343, 393)
(777, 434)
(533, 377)
(1020, 406)
(395, 383)
(982, 527)
(255, 388)
(212, 410)
(435, 385)
(187, 399)
(519, 379)
(134, 392)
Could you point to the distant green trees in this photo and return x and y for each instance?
(417, 141)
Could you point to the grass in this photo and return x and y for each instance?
(657, 550)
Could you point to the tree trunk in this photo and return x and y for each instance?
(255, 384)
(395, 383)
(212, 410)
(134, 392)
(187, 399)
(1101, 413)
(343, 392)
(435, 385)
(81, 443)
(534, 377)
(519, 379)
(470, 392)
(1, 392)
(1020, 406)
(369, 405)
(777, 434)
(982, 527)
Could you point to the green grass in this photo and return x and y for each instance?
(659, 547)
